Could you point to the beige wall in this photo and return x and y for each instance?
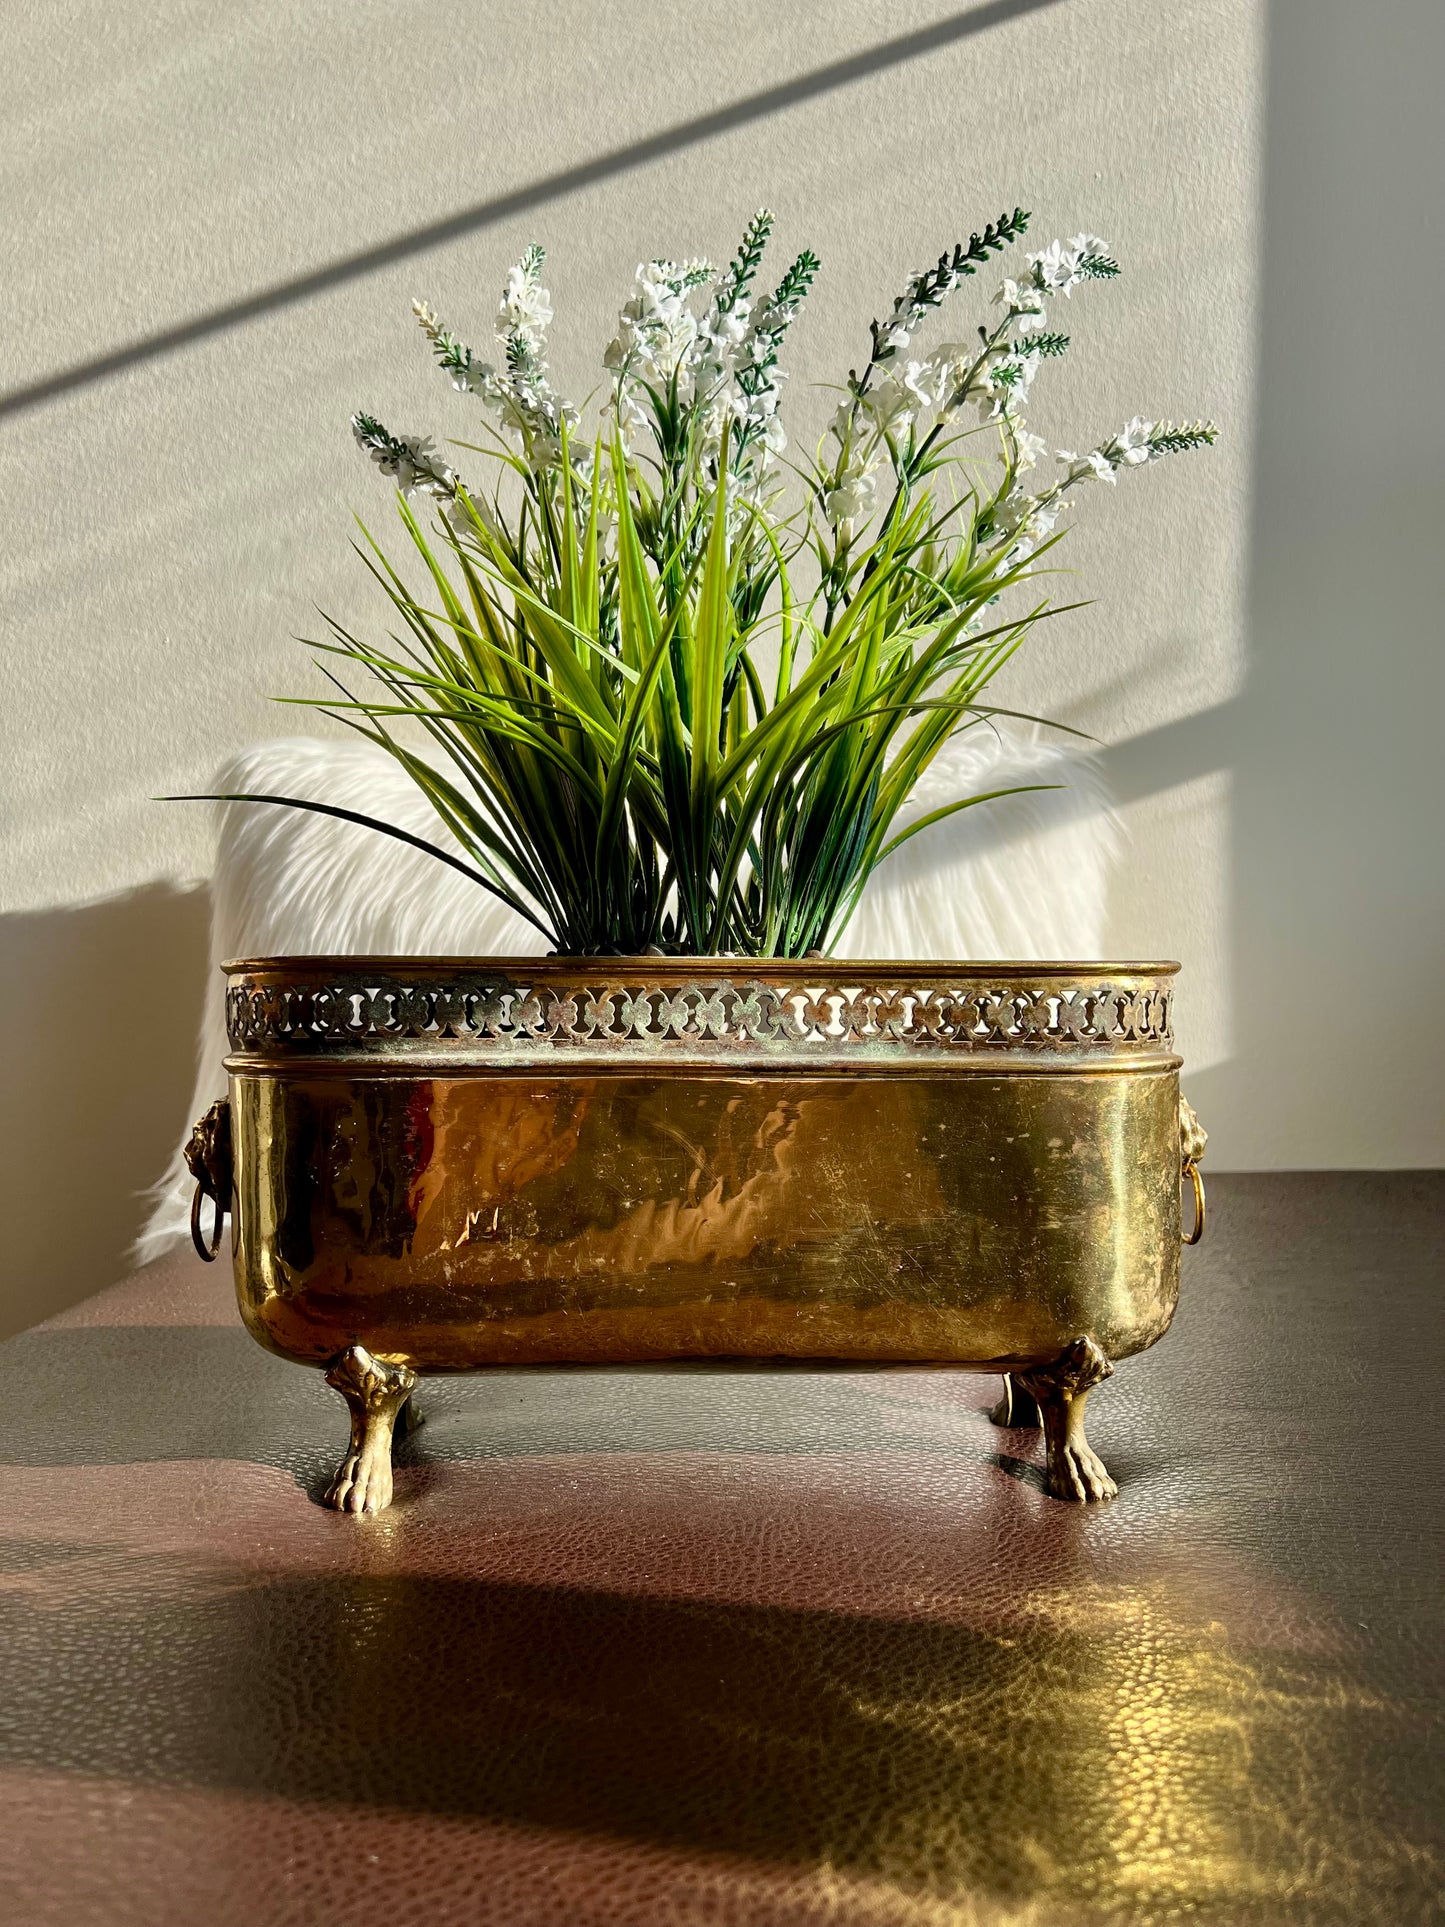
(171, 522)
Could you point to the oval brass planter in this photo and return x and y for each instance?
(435, 1165)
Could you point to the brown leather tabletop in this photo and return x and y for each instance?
(741, 1646)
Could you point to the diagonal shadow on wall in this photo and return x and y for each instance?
(551, 187)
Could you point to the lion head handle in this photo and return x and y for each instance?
(1192, 1139)
(1192, 1135)
(208, 1156)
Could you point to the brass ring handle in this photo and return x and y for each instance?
(1191, 1170)
(207, 1251)
(208, 1159)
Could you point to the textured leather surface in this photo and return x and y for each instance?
(742, 1645)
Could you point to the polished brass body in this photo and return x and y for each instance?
(445, 1164)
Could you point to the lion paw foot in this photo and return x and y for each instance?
(363, 1483)
(1077, 1473)
(376, 1393)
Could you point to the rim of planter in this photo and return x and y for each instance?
(667, 964)
(430, 1014)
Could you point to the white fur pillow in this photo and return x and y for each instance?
(1022, 877)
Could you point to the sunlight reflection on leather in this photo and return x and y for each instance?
(1099, 1749)
(1109, 1756)
(1083, 1750)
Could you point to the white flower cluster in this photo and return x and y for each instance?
(469, 375)
(416, 468)
(410, 460)
(520, 395)
(1062, 265)
(925, 290)
(1130, 448)
(759, 392)
(703, 371)
(921, 396)
(526, 306)
(1029, 519)
(721, 365)
(1025, 304)
(855, 486)
(717, 347)
(690, 368)
(1032, 518)
(657, 330)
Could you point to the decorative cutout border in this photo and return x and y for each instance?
(275, 1010)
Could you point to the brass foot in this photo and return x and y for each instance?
(1062, 1390)
(375, 1396)
(1017, 1407)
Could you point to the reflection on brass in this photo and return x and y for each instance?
(1193, 1236)
(1061, 1391)
(1192, 1139)
(208, 1157)
(375, 1395)
(458, 1163)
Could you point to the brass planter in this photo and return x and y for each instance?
(435, 1165)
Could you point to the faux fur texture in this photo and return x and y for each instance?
(1021, 877)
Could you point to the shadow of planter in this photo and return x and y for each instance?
(98, 1028)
